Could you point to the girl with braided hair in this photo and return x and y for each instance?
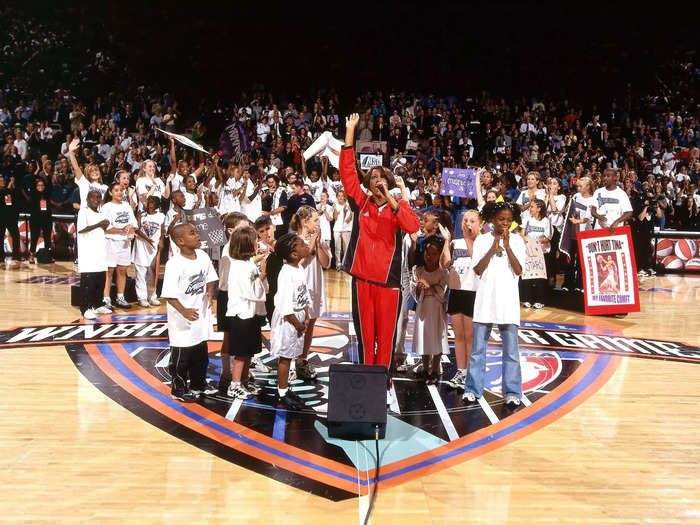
(499, 257)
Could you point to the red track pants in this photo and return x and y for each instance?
(375, 313)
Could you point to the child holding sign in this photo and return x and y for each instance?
(537, 229)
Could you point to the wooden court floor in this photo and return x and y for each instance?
(628, 454)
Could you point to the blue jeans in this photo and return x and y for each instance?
(511, 382)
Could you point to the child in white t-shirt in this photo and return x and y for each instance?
(91, 261)
(188, 285)
(530, 193)
(538, 228)
(121, 231)
(305, 223)
(174, 217)
(147, 247)
(245, 311)
(500, 257)
(232, 221)
(325, 215)
(290, 318)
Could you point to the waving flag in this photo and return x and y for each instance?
(233, 141)
(184, 140)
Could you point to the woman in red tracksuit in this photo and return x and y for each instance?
(373, 257)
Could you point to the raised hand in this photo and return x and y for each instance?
(352, 121)
(74, 145)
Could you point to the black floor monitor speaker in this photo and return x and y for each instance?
(357, 401)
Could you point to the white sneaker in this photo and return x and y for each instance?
(527, 305)
(143, 303)
(538, 306)
(103, 310)
(403, 367)
(260, 366)
(89, 314)
(458, 380)
(237, 391)
(154, 301)
(513, 400)
(468, 396)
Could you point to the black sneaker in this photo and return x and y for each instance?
(208, 390)
(185, 397)
(251, 387)
(291, 401)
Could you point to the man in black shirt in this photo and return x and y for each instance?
(297, 200)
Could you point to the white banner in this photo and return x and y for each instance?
(185, 140)
(326, 145)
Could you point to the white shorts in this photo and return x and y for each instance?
(118, 252)
(284, 339)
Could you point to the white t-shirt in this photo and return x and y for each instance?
(85, 187)
(316, 286)
(340, 224)
(152, 226)
(461, 276)
(538, 229)
(224, 265)
(497, 296)
(186, 280)
(324, 222)
(582, 210)
(192, 200)
(292, 293)
(118, 215)
(557, 219)
(176, 182)
(251, 208)
(612, 204)
(524, 198)
(144, 185)
(92, 245)
(227, 201)
(246, 292)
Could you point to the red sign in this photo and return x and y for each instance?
(609, 271)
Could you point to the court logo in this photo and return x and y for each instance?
(428, 428)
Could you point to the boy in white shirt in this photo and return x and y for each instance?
(188, 286)
(92, 264)
(612, 207)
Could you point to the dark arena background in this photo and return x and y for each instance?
(590, 109)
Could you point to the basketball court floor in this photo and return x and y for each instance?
(607, 432)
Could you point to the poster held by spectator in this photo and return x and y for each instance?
(535, 266)
(209, 226)
(458, 182)
(609, 271)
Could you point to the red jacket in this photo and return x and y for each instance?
(374, 251)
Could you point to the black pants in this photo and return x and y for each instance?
(533, 291)
(10, 225)
(92, 285)
(190, 361)
(643, 251)
(43, 226)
